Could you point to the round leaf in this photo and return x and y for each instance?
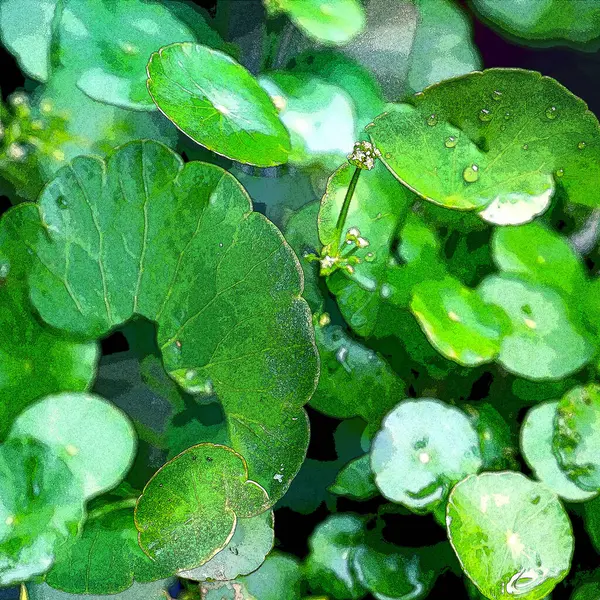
(217, 103)
(544, 342)
(223, 288)
(499, 140)
(355, 480)
(537, 432)
(252, 541)
(108, 46)
(577, 436)
(106, 558)
(41, 506)
(138, 591)
(423, 448)
(333, 22)
(457, 322)
(35, 360)
(512, 536)
(189, 509)
(94, 438)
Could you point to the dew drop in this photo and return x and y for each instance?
(525, 146)
(370, 257)
(451, 142)
(507, 116)
(419, 95)
(497, 95)
(388, 155)
(471, 173)
(581, 145)
(62, 203)
(485, 115)
(560, 172)
(432, 120)
(551, 112)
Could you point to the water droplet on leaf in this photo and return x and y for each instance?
(485, 115)
(432, 120)
(525, 146)
(507, 116)
(370, 257)
(451, 142)
(581, 145)
(497, 95)
(560, 172)
(551, 112)
(471, 173)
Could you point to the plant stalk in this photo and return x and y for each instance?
(341, 222)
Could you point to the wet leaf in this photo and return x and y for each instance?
(512, 536)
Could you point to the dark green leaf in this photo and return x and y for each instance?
(355, 480)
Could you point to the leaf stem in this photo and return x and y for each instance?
(339, 226)
(107, 508)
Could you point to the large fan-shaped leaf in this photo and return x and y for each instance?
(180, 246)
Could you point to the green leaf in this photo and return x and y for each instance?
(109, 46)
(553, 21)
(500, 141)
(279, 577)
(423, 448)
(355, 381)
(223, 288)
(545, 342)
(41, 506)
(592, 521)
(377, 209)
(329, 566)
(331, 22)
(189, 509)
(35, 360)
(576, 440)
(251, 543)
(106, 558)
(457, 322)
(537, 433)
(217, 103)
(318, 115)
(91, 435)
(138, 591)
(534, 250)
(355, 480)
(511, 535)
(26, 31)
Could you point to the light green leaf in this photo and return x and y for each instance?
(511, 535)
(189, 509)
(423, 448)
(217, 103)
(545, 342)
(41, 506)
(138, 591)
(108, 46)
(500, 141)
(355, 480)
(377, 209)
(576, 440)
(35, 360)
(318, 115)
(329, 566)
(457, 322)
(93, 437)
(355, 381)
(106, 558)
(554, 21)
(108, 257)
(26, 30)
(536, 251)
(537, 433)
(331, 22)
(252, 541)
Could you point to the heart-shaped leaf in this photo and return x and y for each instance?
(217, 103)
(423, 448)
(106, 558)
(457, 322)
(499, 141)
(142, 235)
(512, 536)
(35, 360)
(109, 46)
(576, 440)
(41, 506)
(537, 433)
(250, 544)
(189, 509)
(91, 435)
(546, 341)
(332, 22)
